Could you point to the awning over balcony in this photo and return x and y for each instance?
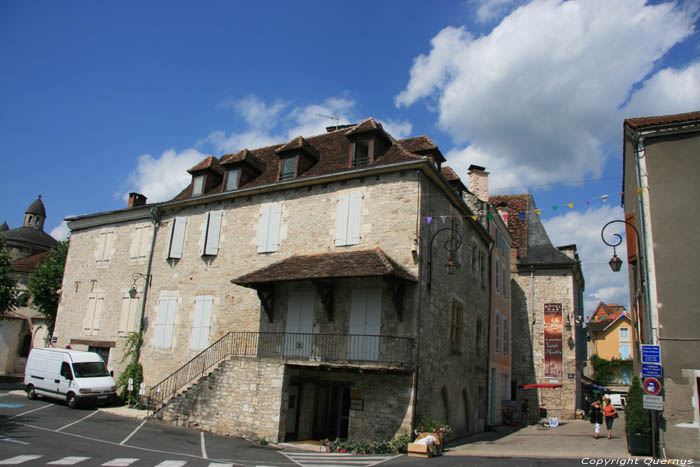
(321, 269)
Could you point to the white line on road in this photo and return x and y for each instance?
(171, 464)
(120, 462)
(16, 441)
(204, 446)
(18, 460)
(30, 411)
(77, 421)
(133, 432)
(68, 460)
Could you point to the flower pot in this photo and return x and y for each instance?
(639, 444)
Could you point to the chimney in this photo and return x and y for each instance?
(479, 182)
(136, 199)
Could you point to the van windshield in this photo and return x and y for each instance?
(90, 370)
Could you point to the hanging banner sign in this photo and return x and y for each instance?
(552, 340)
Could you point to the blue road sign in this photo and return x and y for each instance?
(651, 370)
(651, 354)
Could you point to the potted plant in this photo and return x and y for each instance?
(637, 421)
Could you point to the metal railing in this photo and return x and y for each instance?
(338, 348)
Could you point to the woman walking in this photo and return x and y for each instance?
(596, 415)
(610, 415)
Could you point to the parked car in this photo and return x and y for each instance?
(70, 375)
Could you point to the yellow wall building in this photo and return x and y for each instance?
(610, 336)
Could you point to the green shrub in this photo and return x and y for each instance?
(637, 418)
(133, 370)
(430, 425)
(398, 444)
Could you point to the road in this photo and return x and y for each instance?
(44, 432)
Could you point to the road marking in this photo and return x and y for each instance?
(68, 460)
(77, 421)
(204, 446)
(30, 411)
(322, 459)
(10, 440)
(18, 460)
(216, 464)
(171, 464)
(133, 432)
(120, 462)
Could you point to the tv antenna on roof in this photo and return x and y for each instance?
(332, 117)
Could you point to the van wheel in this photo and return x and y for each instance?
(72, 401)
(31, 393)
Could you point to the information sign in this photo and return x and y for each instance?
(653, 402)
(652, 386)
(651, 370)
(651, 354)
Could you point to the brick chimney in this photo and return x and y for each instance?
(479, 182)
(136, 199)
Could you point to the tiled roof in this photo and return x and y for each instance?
(449, 173)
(368, 125)
(333, 149)
(30, 235)
(37, 207)
(362, 263)
(244, 156)
(298, 143)
(29, 263)
(661, 120)
(209, 162)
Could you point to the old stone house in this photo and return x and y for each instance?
(549, 343)
(301, 287)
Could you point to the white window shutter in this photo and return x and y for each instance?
(197, 323)
(144, 246)
(134, 320)
(90, 313)
(206, 320)
(273, 234)
(124, 316)
(161, 318)
(136, 243)
(169, 323)
(177, 237)
(354, 218)
(107, 253)
(101, 247)
(341, 221)
(263, 226)
(213, 232)
(99, 305)
(204, 237)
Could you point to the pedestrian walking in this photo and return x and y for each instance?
(610, 415)
(596, 415)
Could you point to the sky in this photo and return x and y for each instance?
(98, 99)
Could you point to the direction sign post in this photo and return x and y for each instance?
(653, 402)
(651, 370)
(651, 354)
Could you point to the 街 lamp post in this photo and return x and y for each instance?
(451, 245)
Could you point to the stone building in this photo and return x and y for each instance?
(297, 291)
(548, 344)
(24, 328)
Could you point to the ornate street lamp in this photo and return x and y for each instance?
(132, 291)
(615, 262)
(451, 246)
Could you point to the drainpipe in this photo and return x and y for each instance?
(419, 247)
(532, 324)
(155, 219)
(489, 382)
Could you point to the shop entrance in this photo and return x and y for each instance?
(332, 412)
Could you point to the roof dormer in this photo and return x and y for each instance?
(240, 168)
(205, 176)
(296, 157)
(368, 141)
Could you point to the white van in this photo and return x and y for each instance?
(70, 375)
(618, 400)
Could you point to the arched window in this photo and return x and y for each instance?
(445, 409)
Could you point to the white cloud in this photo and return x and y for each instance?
(161, 178)
(489, 10)
(584, 229)
(397, 128)
(61, 231)
(539, 96)
(667, 92)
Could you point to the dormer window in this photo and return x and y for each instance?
(288, 168)
(197, 185)
(232, 178)
(362, 153)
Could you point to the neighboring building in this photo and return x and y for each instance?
(548, 341)
(501, 390)
(610, 337)
(661, 189)
(24, 327)
(299, 279)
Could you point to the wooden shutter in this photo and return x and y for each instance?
(107, 253)
(631, 238)
(89, 314)
(341, 221)
(263, 225)
(354, 218)
(145, 243)
(161, 317)
(99, 305)
(177, 237)
(200, 324)
(101, 247)
(169, 322)
(273, 232)
(213, 232)
(124, 315)
(203, 249)
(136, 243)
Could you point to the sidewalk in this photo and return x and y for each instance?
(571, 439)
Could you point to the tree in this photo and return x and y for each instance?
(637, 418)
(8, 284)
(45, 283)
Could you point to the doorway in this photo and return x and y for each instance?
(332, 412)
(293, 413)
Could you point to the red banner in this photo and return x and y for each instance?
(552, 340)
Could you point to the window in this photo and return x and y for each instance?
(232, 179)
(625, 353)
(129, 317)
(348, 218)
(177, 237)
(91, 321)
(498, 331)
(497, 269)
(505, 336)
(104, 247)
(198, 185)
(65, 371)
(269, 228)
(474, 259)
(141, 242)
(624, 334)
(212, 230)
(200, 325)
(505, 282)
(477, 336)
(288, 168)
(165, 322)
(456, 326)
(361, 155)
(482, 268)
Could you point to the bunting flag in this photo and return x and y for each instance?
(588, 201)
(571, 205)
(604, 198)
(442, 219)
(639, 191)
(474, 218)
(490, 217)
(538, 211)
(555, 207)
(505, 216)
(429, 219)
(522, 215)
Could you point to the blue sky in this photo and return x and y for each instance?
(103, 98)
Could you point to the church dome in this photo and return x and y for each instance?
(37, 208)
